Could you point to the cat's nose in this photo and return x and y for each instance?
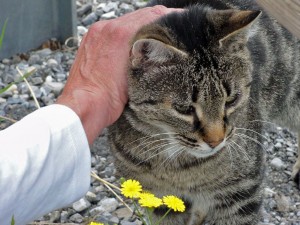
(214, 144)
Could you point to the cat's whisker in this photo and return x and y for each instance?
(157, 147)
(151, 136)
(263, 136)
(230, 154)
(251, 139)
(146, 144)
(152, 156)
(169, 158)
(242, 150)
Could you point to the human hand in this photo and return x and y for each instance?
(97, 85)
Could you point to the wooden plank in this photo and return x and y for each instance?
(287, 12)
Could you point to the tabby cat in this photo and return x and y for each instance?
(201, 82)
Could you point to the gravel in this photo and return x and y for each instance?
(281, 196)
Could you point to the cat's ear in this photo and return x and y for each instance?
(233, 24)
(146, 50)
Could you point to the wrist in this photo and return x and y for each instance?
(93, 114)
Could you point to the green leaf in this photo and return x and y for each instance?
(3, 33)
(21, 79)
(12, 222)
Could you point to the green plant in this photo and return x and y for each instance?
(3, 32)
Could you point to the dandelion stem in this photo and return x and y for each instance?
(162, 218)
(140, 215)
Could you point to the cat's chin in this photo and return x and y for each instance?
(206, 151)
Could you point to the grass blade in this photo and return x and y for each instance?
(3, 33)
(26, 75)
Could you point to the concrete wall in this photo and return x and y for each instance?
(32, 22)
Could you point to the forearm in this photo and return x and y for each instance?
(45, 164)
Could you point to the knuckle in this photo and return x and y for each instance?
(159, 10)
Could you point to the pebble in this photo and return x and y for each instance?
(76, 218)
(108, 16)
(109, 204)
(84, 9)
(277, 163)
(89, 19)
(81, 205)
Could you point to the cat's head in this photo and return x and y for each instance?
(190, 76)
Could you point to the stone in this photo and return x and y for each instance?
(76, 218)
(36, 80)
(90, 19)
(64, 216)
(2, 100)
(140, 4)
(268, 192)
(91, 197)
(283, 202)
(123, 213)
(277, 163)
(109, 204)
(126, 8)
(87, 8)
(111, 6)
(44, 52)
(52, 63)
(54, 216)
(56, 87)
(124, 222)
(97, 210)
(81, 30)
(34, 59)
(81, 205)
(108, 16)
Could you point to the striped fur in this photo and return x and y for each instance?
(200, 83)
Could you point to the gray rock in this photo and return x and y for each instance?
(8, 78)
(277, 163)
(76, 218)
(81, 30)
(109, 15)
(81, 205)
(91, 197)
(54, 216)
(64, 216)
(127, 223)
(97, 211)
(89, 19)
(283, 202)
(55, 87)
(87, 8)
(34, 59)
(44, 52)
(37, 92)
(52, 63)
(126, 8)
(109, 204)
(60, 76)
(123, 213)
(111, 6)
(36, 80)
(140, 4)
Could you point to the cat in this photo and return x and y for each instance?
(201, 83)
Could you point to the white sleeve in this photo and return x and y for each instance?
(44, 164)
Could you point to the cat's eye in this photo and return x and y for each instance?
(232, 101)
(186, 110)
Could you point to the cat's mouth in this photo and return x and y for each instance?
(200, 150)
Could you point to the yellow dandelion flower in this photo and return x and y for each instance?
(174, 203)
(95, 223)
(149, 200)
(131, 188)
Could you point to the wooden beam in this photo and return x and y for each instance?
(287, 12)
